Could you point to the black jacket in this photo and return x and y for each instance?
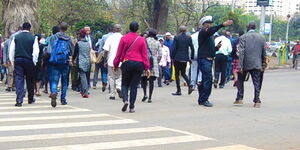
(181, 45)
(207, 43)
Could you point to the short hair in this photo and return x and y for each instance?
(182, 29)
(110, 28)
(82, 33)
(134, 26)
(63, 26)
(152, 33)
(26, 26)
(55, 29)
(117, 28)
(252, 25)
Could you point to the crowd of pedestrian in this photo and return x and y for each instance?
(202, 59)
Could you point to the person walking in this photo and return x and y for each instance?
(235, 56)
(295, 51)
(38, 67)
(23, 53)
(206, 54)
(60, 48)
(180, 57)
(102, 66)
(252, 54)
(169, 43)
(82, 57)
(154, 53)
(221, 59)
(165, 61)
(195, 74)
(111, 47)
(133, 52)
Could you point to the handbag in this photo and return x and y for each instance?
(93, 56)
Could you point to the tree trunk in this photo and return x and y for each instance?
(160, 15)
(16, 12)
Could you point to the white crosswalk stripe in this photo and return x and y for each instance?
(121, 126)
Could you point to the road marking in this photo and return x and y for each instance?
(13, 102)
(126, 144)
(31, 107)
(232, 147)
(43, 112)
(53, 117)
(65, 125)
(80, 134)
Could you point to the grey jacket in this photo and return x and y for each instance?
(251, 51)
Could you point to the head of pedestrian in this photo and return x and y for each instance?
(168, 36)
(152, 33)
(110, 28)
(117, 28)
(298, 42)
(26, 26)
(63, 27)
(87, 29)
(182, 29)
(251, 26)
(134, 26)
(206, 22)
(82, 33)
(55, 29)
(161, 41)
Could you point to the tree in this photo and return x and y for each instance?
(16, 12)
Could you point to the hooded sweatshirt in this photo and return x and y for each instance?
(61, 36)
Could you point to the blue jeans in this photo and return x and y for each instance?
(168, 73)
(229, 68)
(204, 90)
(56, 72)
(104, 73)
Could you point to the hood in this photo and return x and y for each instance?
(63, 36)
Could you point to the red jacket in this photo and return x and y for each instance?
(138, 51)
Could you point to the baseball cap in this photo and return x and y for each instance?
(206, 19)
(168, 34)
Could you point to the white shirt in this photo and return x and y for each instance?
(35, 53)
(195, 43)
(165, 56)
(88, 38)
(111, 45)
(226, 47)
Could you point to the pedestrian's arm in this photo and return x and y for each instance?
(5, 52)
(159, 52)
(101, 44)
(71, 48)
(36, 51)
(174, 48)
(192, 48)
(12, 49)
(76, 51)
(241, 51)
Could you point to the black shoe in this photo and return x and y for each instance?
(160, 85)
(112, 98)
(63, 102)
(191, 89)
(104, 87)
(8, 89)
(53, 100)
(221, 86)
(216, 84)
(124, 108)
(31, 101)
(131, 111)
(144, 98)
(149, 101)
(13, 89)
(120, 93)
(18, 104)
(177, 94)
(206, 104)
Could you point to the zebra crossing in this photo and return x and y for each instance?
(41, 127)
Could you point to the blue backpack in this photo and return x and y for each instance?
(60, 52)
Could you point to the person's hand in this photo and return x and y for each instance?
(73, 63)
(227, 23)
(148, 73)
(105, 64)
(115, 69)
(190, 61)
(219, 46)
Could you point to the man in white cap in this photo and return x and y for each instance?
(169, 43)
(206, 54)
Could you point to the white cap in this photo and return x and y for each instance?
(160, 39)
(206, 19)
(168, 34)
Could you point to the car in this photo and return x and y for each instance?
(275, 46)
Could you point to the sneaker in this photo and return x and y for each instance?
(53, 100)
(131, 111)
(206, 104)
(31, 101)
(119, 93)
(94, 87)
(238, 102)
(215, 84)
(85, 95)
(8, 89)
(149, 101)
(112, 98)
(63, 102)
(18, 104)
(257, 105)
(144, 98)
(177, 94)
(104, 87)
(124, 108)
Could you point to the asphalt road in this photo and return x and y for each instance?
(169, 123)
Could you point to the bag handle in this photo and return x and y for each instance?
(132, 44)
